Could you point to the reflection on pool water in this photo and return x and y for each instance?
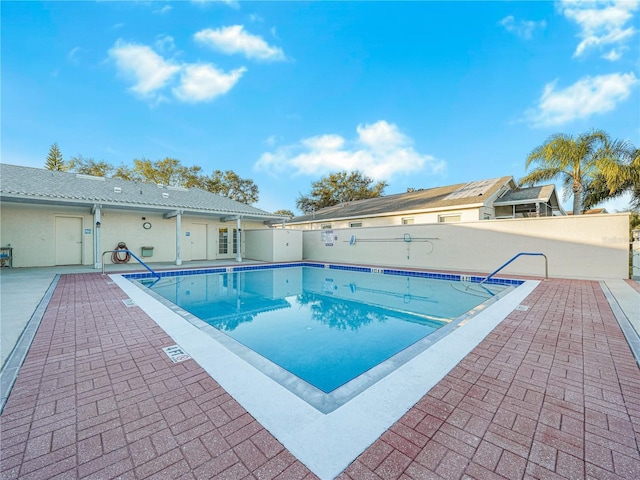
(325, 326)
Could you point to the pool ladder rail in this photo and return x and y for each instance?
(153, 272)
(546, 264)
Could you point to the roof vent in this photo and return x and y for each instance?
(165, 195)
(89, 177)
(117, 189)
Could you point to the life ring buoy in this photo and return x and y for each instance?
(121, 257)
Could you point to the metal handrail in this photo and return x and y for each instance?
(153, 272)
(546, 265)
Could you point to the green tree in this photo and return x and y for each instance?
(166, 172)
(339, 187)
(288, 213)
(170, 171)
(619, 173)
(230, 185)
(574, 160)
(89, 166)
(54, 159)
(124, 172)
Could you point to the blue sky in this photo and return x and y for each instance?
(419, 94)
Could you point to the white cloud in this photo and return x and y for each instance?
(602, 23)
(523, 28)
(73, 55)
(613, 55)
(163, 10)
(149, 70)
(588, 96)
(165, 43)
(152, 74)
(380, 151)
(201, 82)
(231, 3)
(235, 39)
(271, 140)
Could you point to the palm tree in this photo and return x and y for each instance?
(574, 160)
(618, 174)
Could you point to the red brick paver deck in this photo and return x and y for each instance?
(552, 392)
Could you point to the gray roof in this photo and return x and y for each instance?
(541, 193)
(461, 194)
(36, 185)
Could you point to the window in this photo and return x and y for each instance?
(223, 241)
(235, 241)
(355, 224)
(407, 221)
(448, 218)
(223, 235)
(325, 226)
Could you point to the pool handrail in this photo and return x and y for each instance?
(546, 264)
(153, 272)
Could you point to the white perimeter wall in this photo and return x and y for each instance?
(274, 245)
(583, 246)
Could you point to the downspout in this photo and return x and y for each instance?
(179, 238)
(97, 258)
(238, 240)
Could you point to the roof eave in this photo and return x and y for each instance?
(106, 204)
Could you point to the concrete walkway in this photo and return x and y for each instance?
(552, 392)
(626, 295)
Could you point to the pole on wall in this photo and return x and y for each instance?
(97, 224)
(238, 240)
(178, 215)
(179, 238)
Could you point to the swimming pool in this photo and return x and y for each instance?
(319, 329)
(326, 431)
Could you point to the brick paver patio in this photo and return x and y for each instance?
(553, 392)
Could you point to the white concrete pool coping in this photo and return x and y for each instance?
(327, 443)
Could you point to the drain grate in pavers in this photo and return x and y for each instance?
(128, 302)
(176, 354)
(522, 308)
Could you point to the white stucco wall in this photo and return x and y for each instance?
(30, 229)
(584, 246)
(274, 245)
(31, 232)
(635, 260)
(466, 215)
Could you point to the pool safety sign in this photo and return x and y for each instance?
(329, 237)
(176, 354)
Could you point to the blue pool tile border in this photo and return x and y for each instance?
(376, 270)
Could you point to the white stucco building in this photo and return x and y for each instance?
(51, 218)
(464, 202)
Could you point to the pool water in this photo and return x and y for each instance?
(326, 327)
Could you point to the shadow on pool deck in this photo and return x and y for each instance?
(552, 392)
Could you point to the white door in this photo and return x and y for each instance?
(198, 241)
(227, 242)
(223, 243)
(68, 241)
